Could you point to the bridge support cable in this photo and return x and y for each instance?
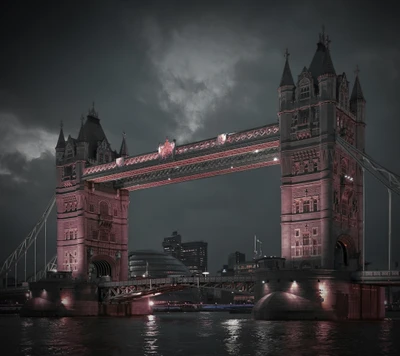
(389, 179)
(49, 267)
(24, 246)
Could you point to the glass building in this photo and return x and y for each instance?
(154, 264)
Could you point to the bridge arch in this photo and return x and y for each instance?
(101, 266)
(344, 251)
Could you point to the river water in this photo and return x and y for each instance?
(195, 334)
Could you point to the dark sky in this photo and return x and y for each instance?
(188, 70)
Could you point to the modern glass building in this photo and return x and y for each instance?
(154, 264)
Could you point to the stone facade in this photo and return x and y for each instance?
(92, 219)
(321, 192)
(315, 294)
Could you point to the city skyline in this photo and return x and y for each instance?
(133, 92)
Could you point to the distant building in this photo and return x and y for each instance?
(194, 256)
(235, 258)
(154, 264)
(271, 262)
(226, 271)
(245, 268)
(172, 245)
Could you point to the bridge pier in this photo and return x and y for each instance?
(316, 294)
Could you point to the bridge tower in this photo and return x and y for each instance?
(92, 219)
(321, 191)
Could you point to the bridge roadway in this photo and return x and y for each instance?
(140, 288)
(134, 289)
(385, 278)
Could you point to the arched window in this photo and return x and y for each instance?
(103, 208)
(315, 205)
(306, 206)
(305, 92)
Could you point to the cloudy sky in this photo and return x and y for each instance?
(187, 70)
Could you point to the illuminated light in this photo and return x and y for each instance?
(256, 151)
(275, 159)
(263, 282)
(231, 167)
(143, 275)
(151, 303)
(169, 178)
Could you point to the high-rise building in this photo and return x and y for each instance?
(172, 245)
(235, 258)
(194, 256)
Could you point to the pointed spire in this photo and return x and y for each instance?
(327, 64)
(92, 112)
(357, 93)
(287, 78)
(82, 133)
(61, 138)
(322, 61)
(123, 152)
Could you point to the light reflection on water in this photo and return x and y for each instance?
(195, 334)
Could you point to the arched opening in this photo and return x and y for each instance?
(100, 269)
(341, 255)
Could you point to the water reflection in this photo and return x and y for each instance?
(205, 326)
(386, 336)
(232, 343)
(195, 334)
(150, 336)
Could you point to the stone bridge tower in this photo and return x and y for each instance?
(92, 219)
(321, 190)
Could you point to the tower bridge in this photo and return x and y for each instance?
(319, 143)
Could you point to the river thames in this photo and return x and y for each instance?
(195, 334)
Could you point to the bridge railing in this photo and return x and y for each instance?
(361, 274)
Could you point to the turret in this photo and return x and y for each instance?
(323, 71)
(286, 98)
(357, 100)
(286, 87)
(357, 108)
(123, 152)
(60, 147)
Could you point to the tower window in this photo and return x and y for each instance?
(91, 208)
(297, 207)
(304, 92)
(297, 232)
(314, 231)
(315, 205)
(315, 166)
(306, 206)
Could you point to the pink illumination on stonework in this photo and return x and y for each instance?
(166, 150)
